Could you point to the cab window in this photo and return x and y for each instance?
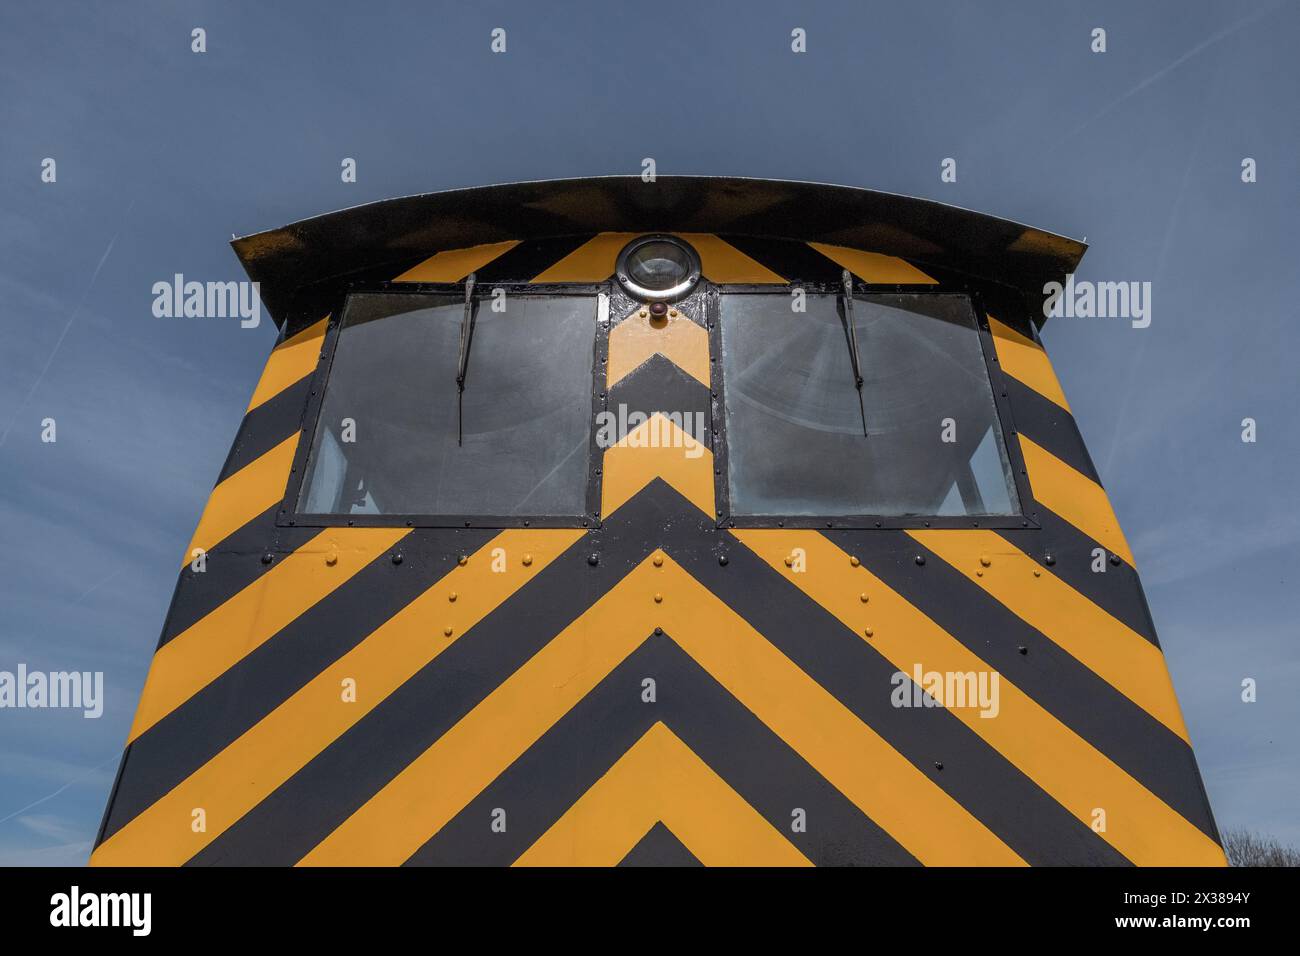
(396, 436)
(920, 438)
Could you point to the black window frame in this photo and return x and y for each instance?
(1005, 422)
(288, 514)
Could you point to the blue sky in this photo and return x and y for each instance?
(163, 154)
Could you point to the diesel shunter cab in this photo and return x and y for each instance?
(603, 522)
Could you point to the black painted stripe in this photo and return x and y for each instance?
(974, 774)
(582, 746)
(658, 385)
(267, 425)
(309, 806)
(659, 848)
(1117, 590)
(792, 260)
(1143, 747)
(1048, 425)
(528, 259)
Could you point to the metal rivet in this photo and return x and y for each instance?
(789, 561)
(1114, 559)
(452, 597)
(659, 599)
(863, 597)
(463, 560)
(658, 560)
(268, 557)
(920, 559)
(1049, 560)
(979, 574)
(722, 560)
(593, 559)
(397, 558)
(1037, 573)
(938, 765)
(1022, 649)
(659, 630)
(868, 632)
(984, 560)
(331, 559)
(528, 559)
(446, 631)
(853, 560)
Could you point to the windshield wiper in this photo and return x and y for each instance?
(462, 360)
(846, 278)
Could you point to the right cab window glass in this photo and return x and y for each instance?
(795, 418)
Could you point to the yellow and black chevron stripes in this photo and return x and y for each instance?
(194, 658)
(566, 670)
(291, 361)
(1142, 827)
(660, 780)
(677, 338)
(1070, 505)
(1075, 497)
(260, 483)
(1123, 658)
(1024, 359)
(657, 449)
(250, 768)
(430, 791)
(243, 496)
(724, 259)
(323, 704)
(1071, 491)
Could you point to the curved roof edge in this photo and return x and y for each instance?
(354, 241)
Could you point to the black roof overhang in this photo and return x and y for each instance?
(353, 243)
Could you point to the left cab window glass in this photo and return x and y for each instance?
(387, 440)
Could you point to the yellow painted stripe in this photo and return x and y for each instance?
(243, 496)
(283, 742)
(660, 779)
(215, 643)
(657, 449)
(1075, 497)
(452, 265)
(438, 784)
(593, 261)
(289, 362)
(874, 267)
(720, 261)
(1109, 648)
(1025, 360)
(1079, 777)
(636, 339)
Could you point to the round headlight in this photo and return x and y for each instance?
(656, 268)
